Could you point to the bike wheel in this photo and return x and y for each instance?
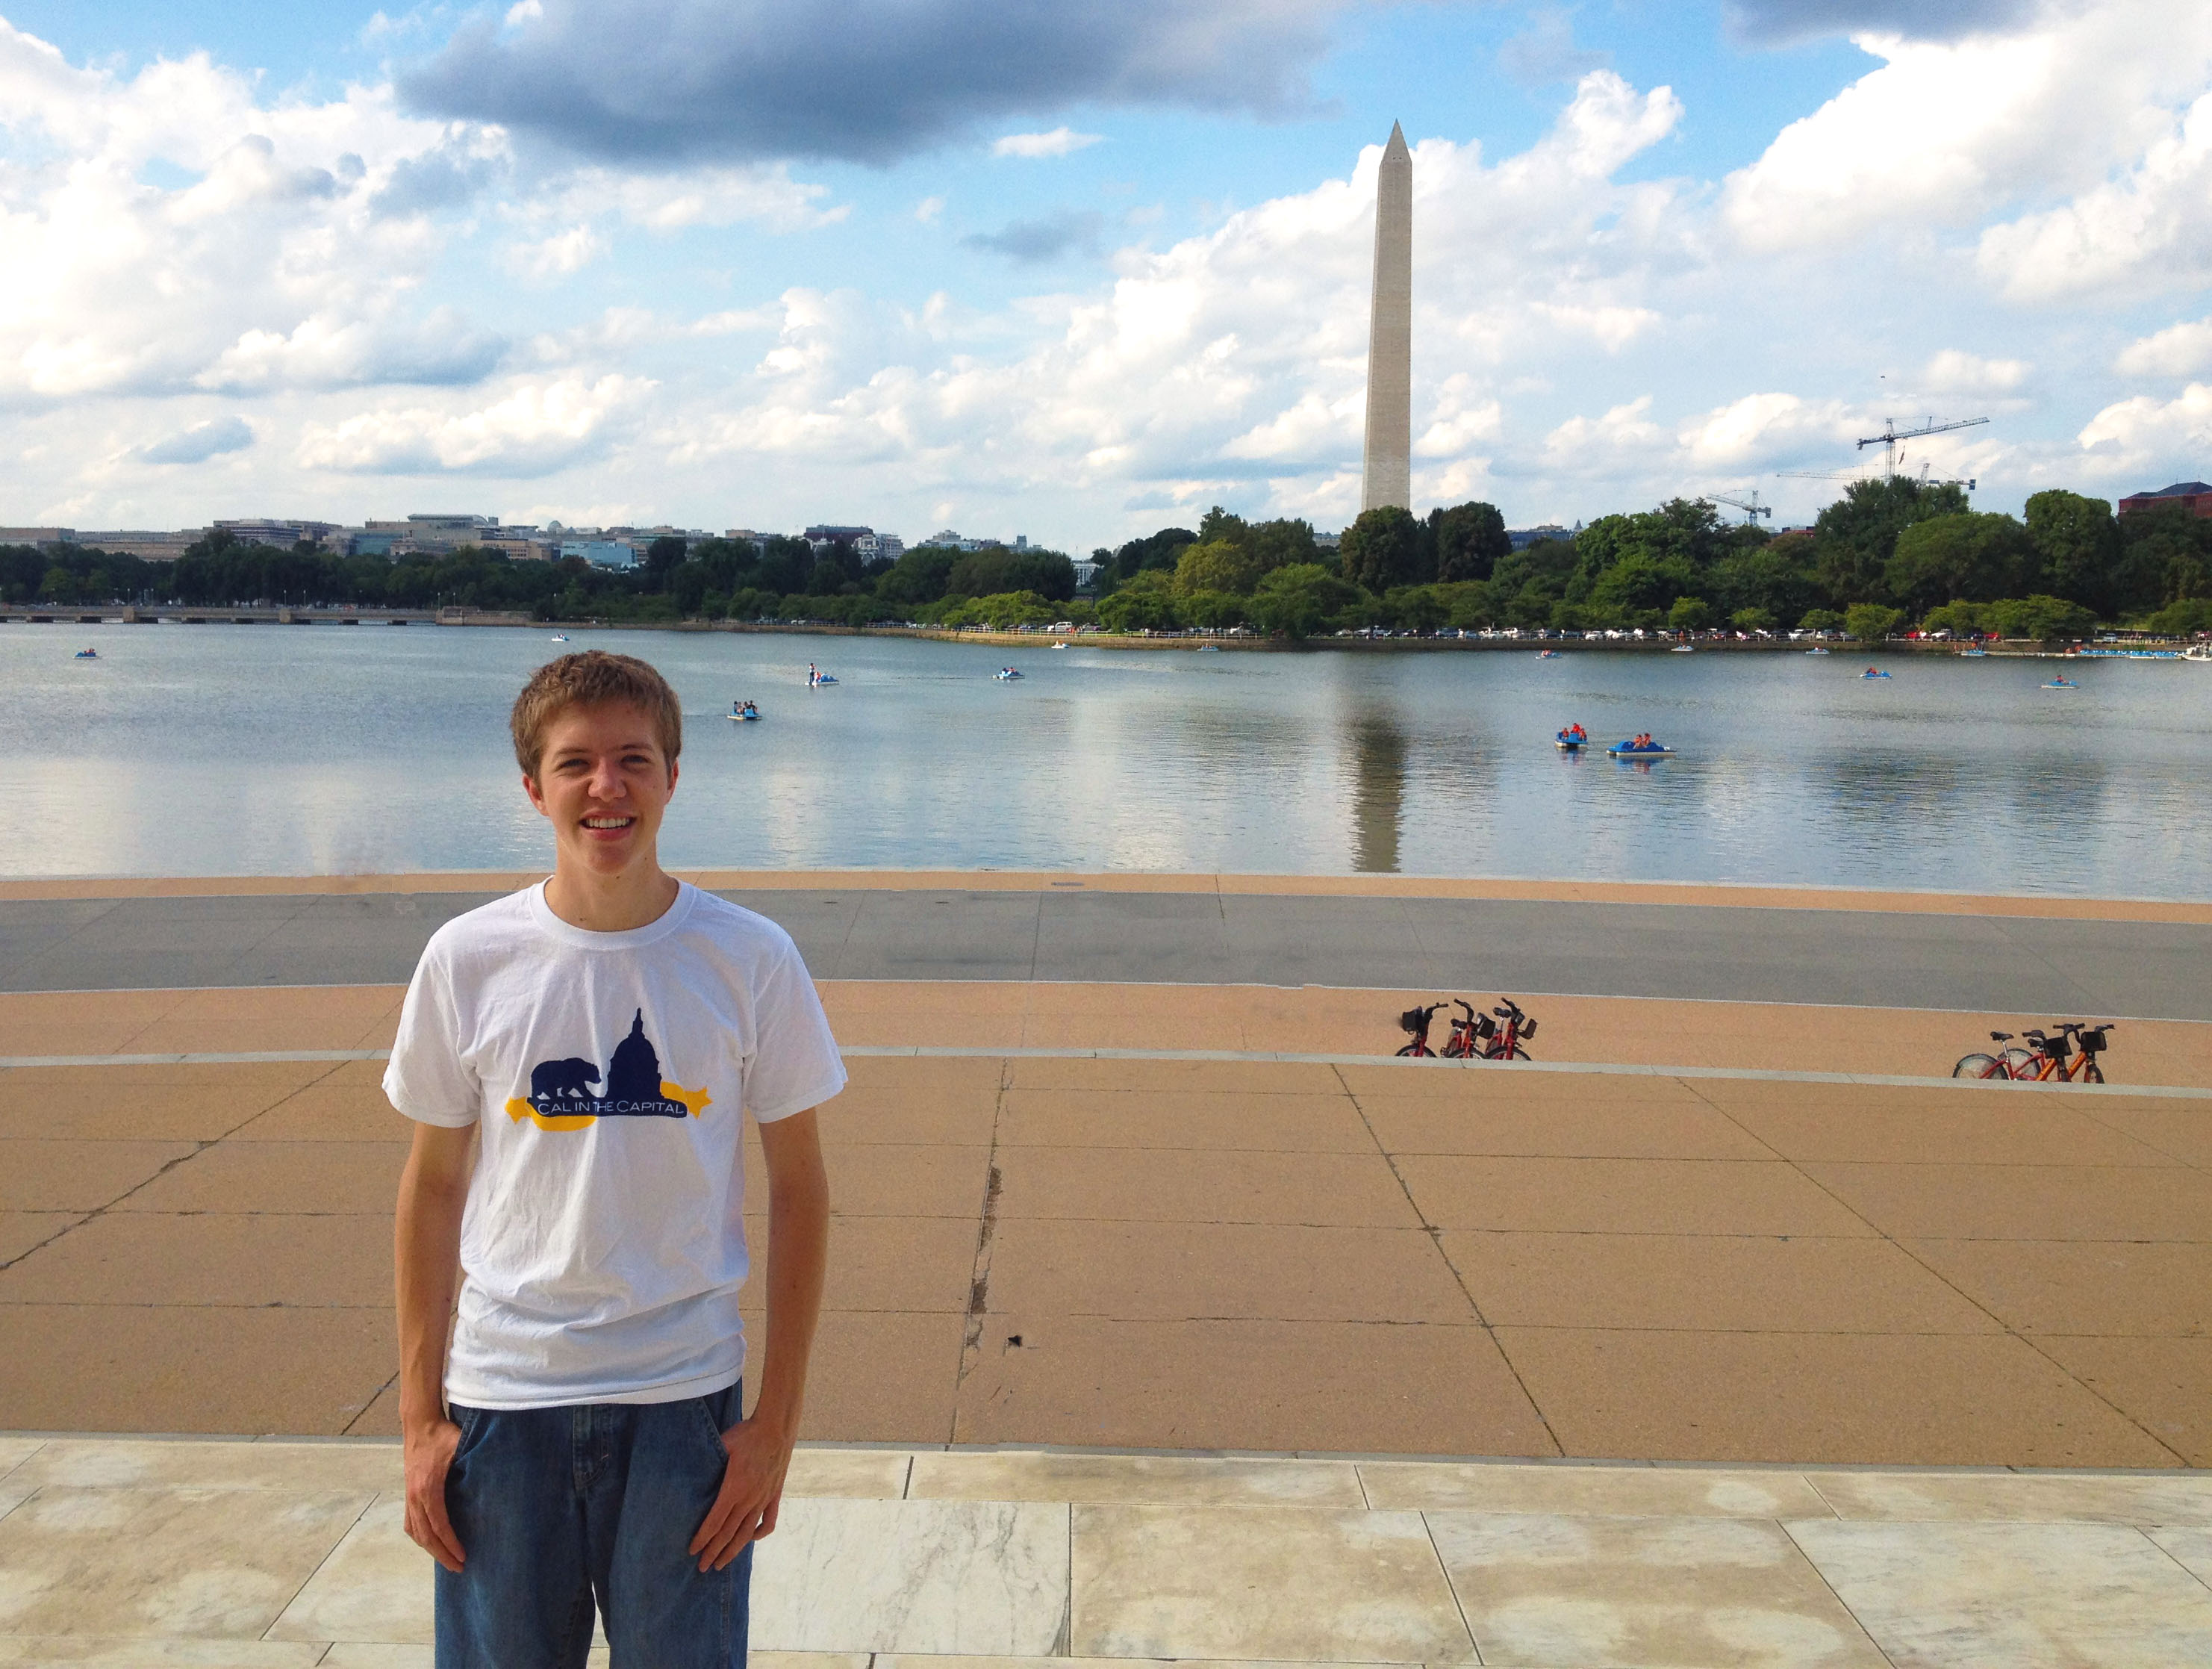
(2093, 1074)
(1412, 1049)
(2020, 1063)
(1977, 1066)
(1519, 1053)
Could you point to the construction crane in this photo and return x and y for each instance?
(1749, 504)
(1891, 434)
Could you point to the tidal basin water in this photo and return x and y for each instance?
(223, 750)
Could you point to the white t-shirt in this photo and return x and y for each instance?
(602, 1244)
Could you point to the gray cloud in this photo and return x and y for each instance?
(1777, 22)
(1546, 52)
(1032, 242)
(438, 179)
(739, 80)
(201, 442)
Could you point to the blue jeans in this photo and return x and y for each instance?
(557, 1507)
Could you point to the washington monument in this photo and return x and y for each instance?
(1387, 475)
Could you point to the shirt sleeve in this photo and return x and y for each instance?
(795, 1062)
(426, 1078)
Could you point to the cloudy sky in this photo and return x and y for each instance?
(1081, 270)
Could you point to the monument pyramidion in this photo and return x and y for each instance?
(1387, 475)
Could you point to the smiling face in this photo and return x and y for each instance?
(603, 782)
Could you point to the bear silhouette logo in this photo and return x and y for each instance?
(562, 1081)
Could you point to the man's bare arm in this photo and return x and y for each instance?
(427, 1253)
(798, 1256)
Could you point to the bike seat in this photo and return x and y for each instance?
(2000, 1037)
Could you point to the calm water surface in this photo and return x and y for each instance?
(258, 750)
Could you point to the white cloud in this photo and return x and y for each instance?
(765, 195)
(2150, 230)
(558, 255)
(2139, 433)
(201, 442)
(2179, 351)
(1057, 143)
(1952, 371)
(533, 430)
(928, 209)
(1946, 132)
(112, 285)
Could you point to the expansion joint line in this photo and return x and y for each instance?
(979, 1277)
(199, 1147)
(1889, 1239)
(1436, 1244)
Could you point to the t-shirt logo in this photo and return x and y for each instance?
(561, 1097)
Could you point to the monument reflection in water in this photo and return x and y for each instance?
(237, 750)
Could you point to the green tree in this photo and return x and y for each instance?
(994, 570)
(1470, 541)
(1820, 620)
(1381, 550)
(1145, 602)
(663, 558)
(1222, 565)
(918, 575)
(1855, 537)
(2182, 619)
(1158, 549)
(688, 585)
(1217, 611)
(1775, 578)
(1297, 600)
(1870, 623)
(2167, 558)
(1752, 619)
(1689, 614)
(2077, 547)
(1963, 557)
(2045, 618)
(1639, 589)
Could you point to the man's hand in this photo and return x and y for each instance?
(429, 1455)
(752, 1491)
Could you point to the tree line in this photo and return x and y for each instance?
(1888, 553)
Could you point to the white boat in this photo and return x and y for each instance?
(1203, 648)
(2197, 652)
(1816, 650)
(560, 636)
(1060, 645)
(1681, 648)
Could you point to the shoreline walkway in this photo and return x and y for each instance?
(124, 1555)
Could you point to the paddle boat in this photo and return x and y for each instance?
(1203, 648)
(815, 678)
(1633, 749)
(87, 654)
(742, 711)
(1978, 655)
(2061, 682)
(1681, 648)
(560, 636)
(2197, 652)
(1005, 672)
(1062, 646)
(1874, 672)
(1547, 654)
(1816, 650)
(1572, 739)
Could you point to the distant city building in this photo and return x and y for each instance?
(1328, 541)
(282, 532)
(822, 532)
(41, 536)
(601, 552)
(946, 539)
(878, 547)
(1086, 571)
(1522, 537)
(147, 543)
(2195, 496)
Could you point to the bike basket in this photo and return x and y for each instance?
(2056, 1047)
(2093, 1042)
(1484, 1026)
(1413, 1020)
(1528, 1028)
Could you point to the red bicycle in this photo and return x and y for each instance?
(1505, 1043)
(2047, 1058)
(1415, 1021)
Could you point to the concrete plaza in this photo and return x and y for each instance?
(1631, 1356)
(130, 1554)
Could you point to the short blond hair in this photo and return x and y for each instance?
(592, 679)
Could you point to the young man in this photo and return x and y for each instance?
(598, 1039)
